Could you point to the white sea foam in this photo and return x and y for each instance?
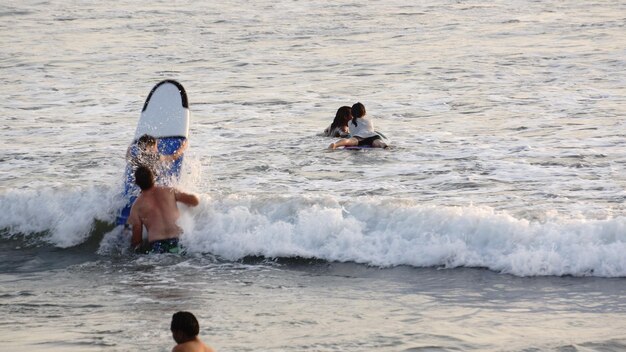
(391, 233)
(65, 216)
(372, 231)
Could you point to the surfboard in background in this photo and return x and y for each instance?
(165, 116)
(356, 147)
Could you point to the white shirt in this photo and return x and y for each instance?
(364, 128)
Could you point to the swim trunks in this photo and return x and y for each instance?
(169, 245)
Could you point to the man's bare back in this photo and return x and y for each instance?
(156, 209)
(195, 345)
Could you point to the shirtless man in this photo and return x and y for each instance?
(185, 330)
(156, 209)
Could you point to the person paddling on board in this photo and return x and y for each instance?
(156, 209)
(185, 330)
(339, 126)
(146, 152)
(361, 130)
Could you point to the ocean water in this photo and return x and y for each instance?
(494, 223)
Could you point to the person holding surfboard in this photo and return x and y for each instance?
(156, 209)
(339, 126)
(146, 152)
(361, 131)
(160, 140)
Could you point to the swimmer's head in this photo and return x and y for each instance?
(146, 142)
(341, 117)
(358, 110)
(184, 326)
(344, 114)
(144, 178)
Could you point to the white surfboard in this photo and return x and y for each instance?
(165, 112)
(165, 116)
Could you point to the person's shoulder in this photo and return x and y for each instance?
(139, 200)
(165, 191)
(160, 188)
(182, 347)
(192, 346)
(205, 347)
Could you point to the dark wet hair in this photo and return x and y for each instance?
(358, 110)
(342, 117)
(145, 141)
(186, 323)
(144, 178)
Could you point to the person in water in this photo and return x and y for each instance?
(339, 126)
(156, 209)
(185, 330)
(361, 131)
(146, 152)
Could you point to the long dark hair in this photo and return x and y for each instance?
(341, 118)
(358, 110)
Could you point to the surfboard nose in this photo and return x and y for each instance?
(165, 112)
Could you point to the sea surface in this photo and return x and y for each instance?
(495, 222)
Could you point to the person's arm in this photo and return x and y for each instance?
(177, 154)
(137, 228)
(344, 132)
(186, 198)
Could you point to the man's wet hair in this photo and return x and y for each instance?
(144, 178)
(186, 323)
(146, 140)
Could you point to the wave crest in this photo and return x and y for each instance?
(372, 231)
